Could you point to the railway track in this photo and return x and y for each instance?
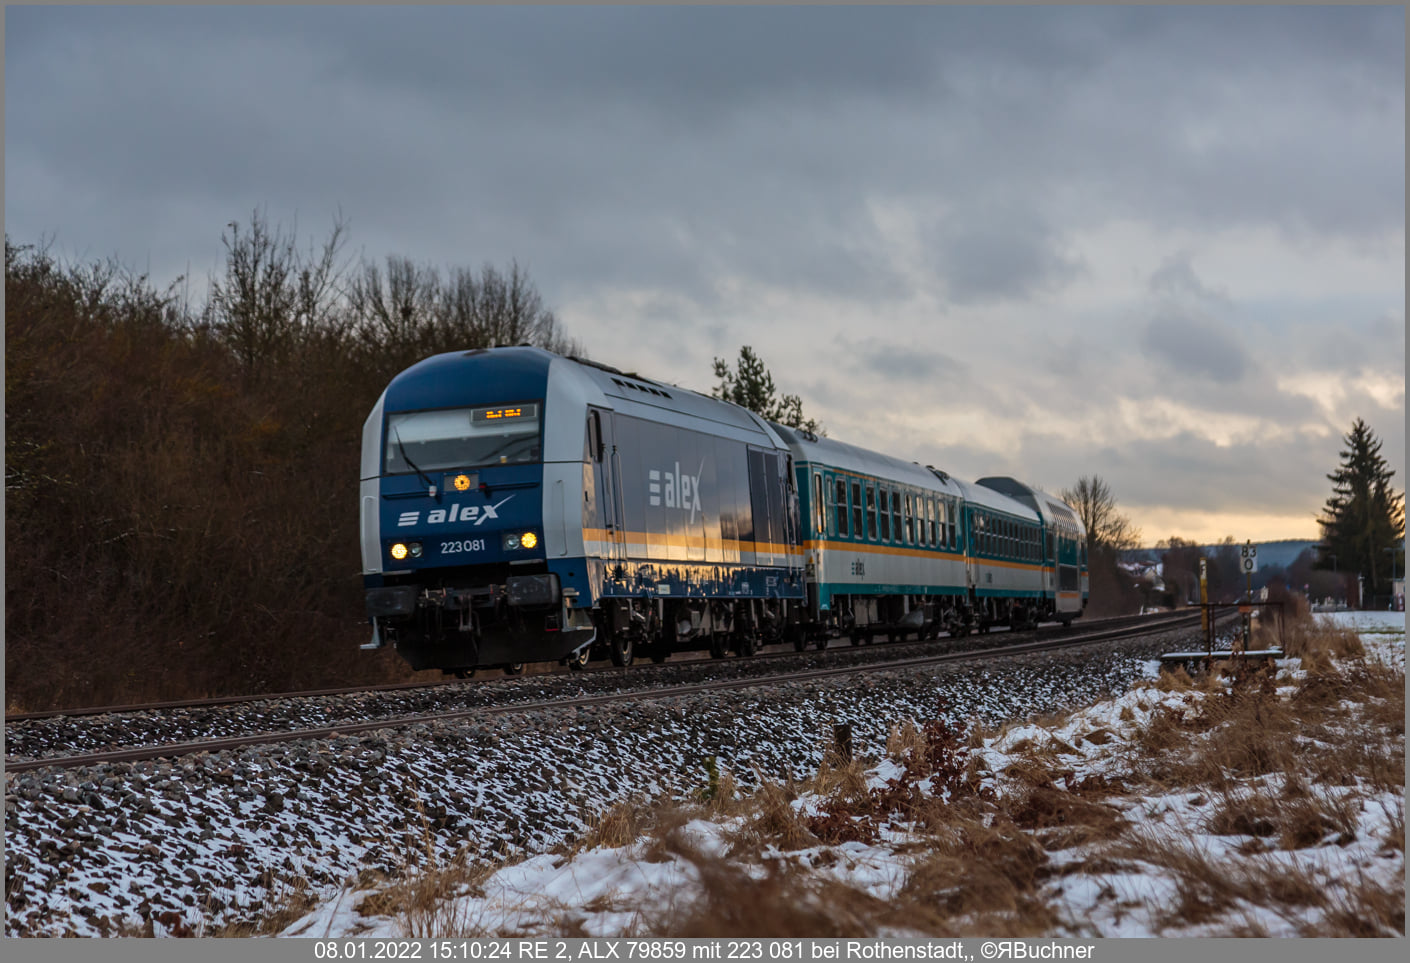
(1092, 634)
(776, 653)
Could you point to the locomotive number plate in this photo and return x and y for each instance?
(463, 545)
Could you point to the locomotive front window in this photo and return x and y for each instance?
(422, 441)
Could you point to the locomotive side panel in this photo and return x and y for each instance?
(702, 516)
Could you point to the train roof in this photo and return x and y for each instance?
(808, 447)
(986, 497)
(1050, 507)
(490, 375)
(632, 388)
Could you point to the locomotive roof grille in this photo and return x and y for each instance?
(631, 384)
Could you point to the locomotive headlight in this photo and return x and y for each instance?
(511, 542)
(415, 549)
(399, 551)
(528, 540)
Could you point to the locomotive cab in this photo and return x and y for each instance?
(454, 545)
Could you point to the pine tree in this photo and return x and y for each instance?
(1365, 516)
(751, 386)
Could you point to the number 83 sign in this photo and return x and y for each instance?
(1248, 561)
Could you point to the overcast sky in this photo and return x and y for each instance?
(1164, 246)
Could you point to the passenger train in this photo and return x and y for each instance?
(519, 506)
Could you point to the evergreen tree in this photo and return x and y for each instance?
(1365, 516)
(751, 386)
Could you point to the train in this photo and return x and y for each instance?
(519, 506)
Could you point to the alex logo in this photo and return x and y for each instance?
(477, 514)
(679, 491)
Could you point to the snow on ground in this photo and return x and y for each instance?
(201, 842)
(610, 891)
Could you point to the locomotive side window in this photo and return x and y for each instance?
(885, 518)
(857, 509)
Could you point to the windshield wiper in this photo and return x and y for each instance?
(407, 458)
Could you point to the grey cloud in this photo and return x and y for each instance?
(987, 254)
(580, 138)
(1176, 278)
(1191, 345)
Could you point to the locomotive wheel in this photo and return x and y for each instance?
(464, 673)
(622, 653)
(514, 668)
(579, 660)
(748, 644)
(717, 646)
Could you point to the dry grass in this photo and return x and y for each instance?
(1314, 639)
(1280, 773)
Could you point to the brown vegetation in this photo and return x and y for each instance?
(180, 517)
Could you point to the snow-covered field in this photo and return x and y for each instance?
(1172, 869)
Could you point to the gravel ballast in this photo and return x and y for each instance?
(191, 845)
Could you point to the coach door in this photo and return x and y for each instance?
(606, 494)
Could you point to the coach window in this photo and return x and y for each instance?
(840, 505)
(857, 528)
(896, 514)
(927, 526)
(910, 520)
(885, 517)
(871, 513)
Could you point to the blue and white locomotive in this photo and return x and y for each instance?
(518, 506)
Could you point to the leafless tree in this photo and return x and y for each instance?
(271, 294)
(396, 311)
(1096, 506)
(410, 310)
